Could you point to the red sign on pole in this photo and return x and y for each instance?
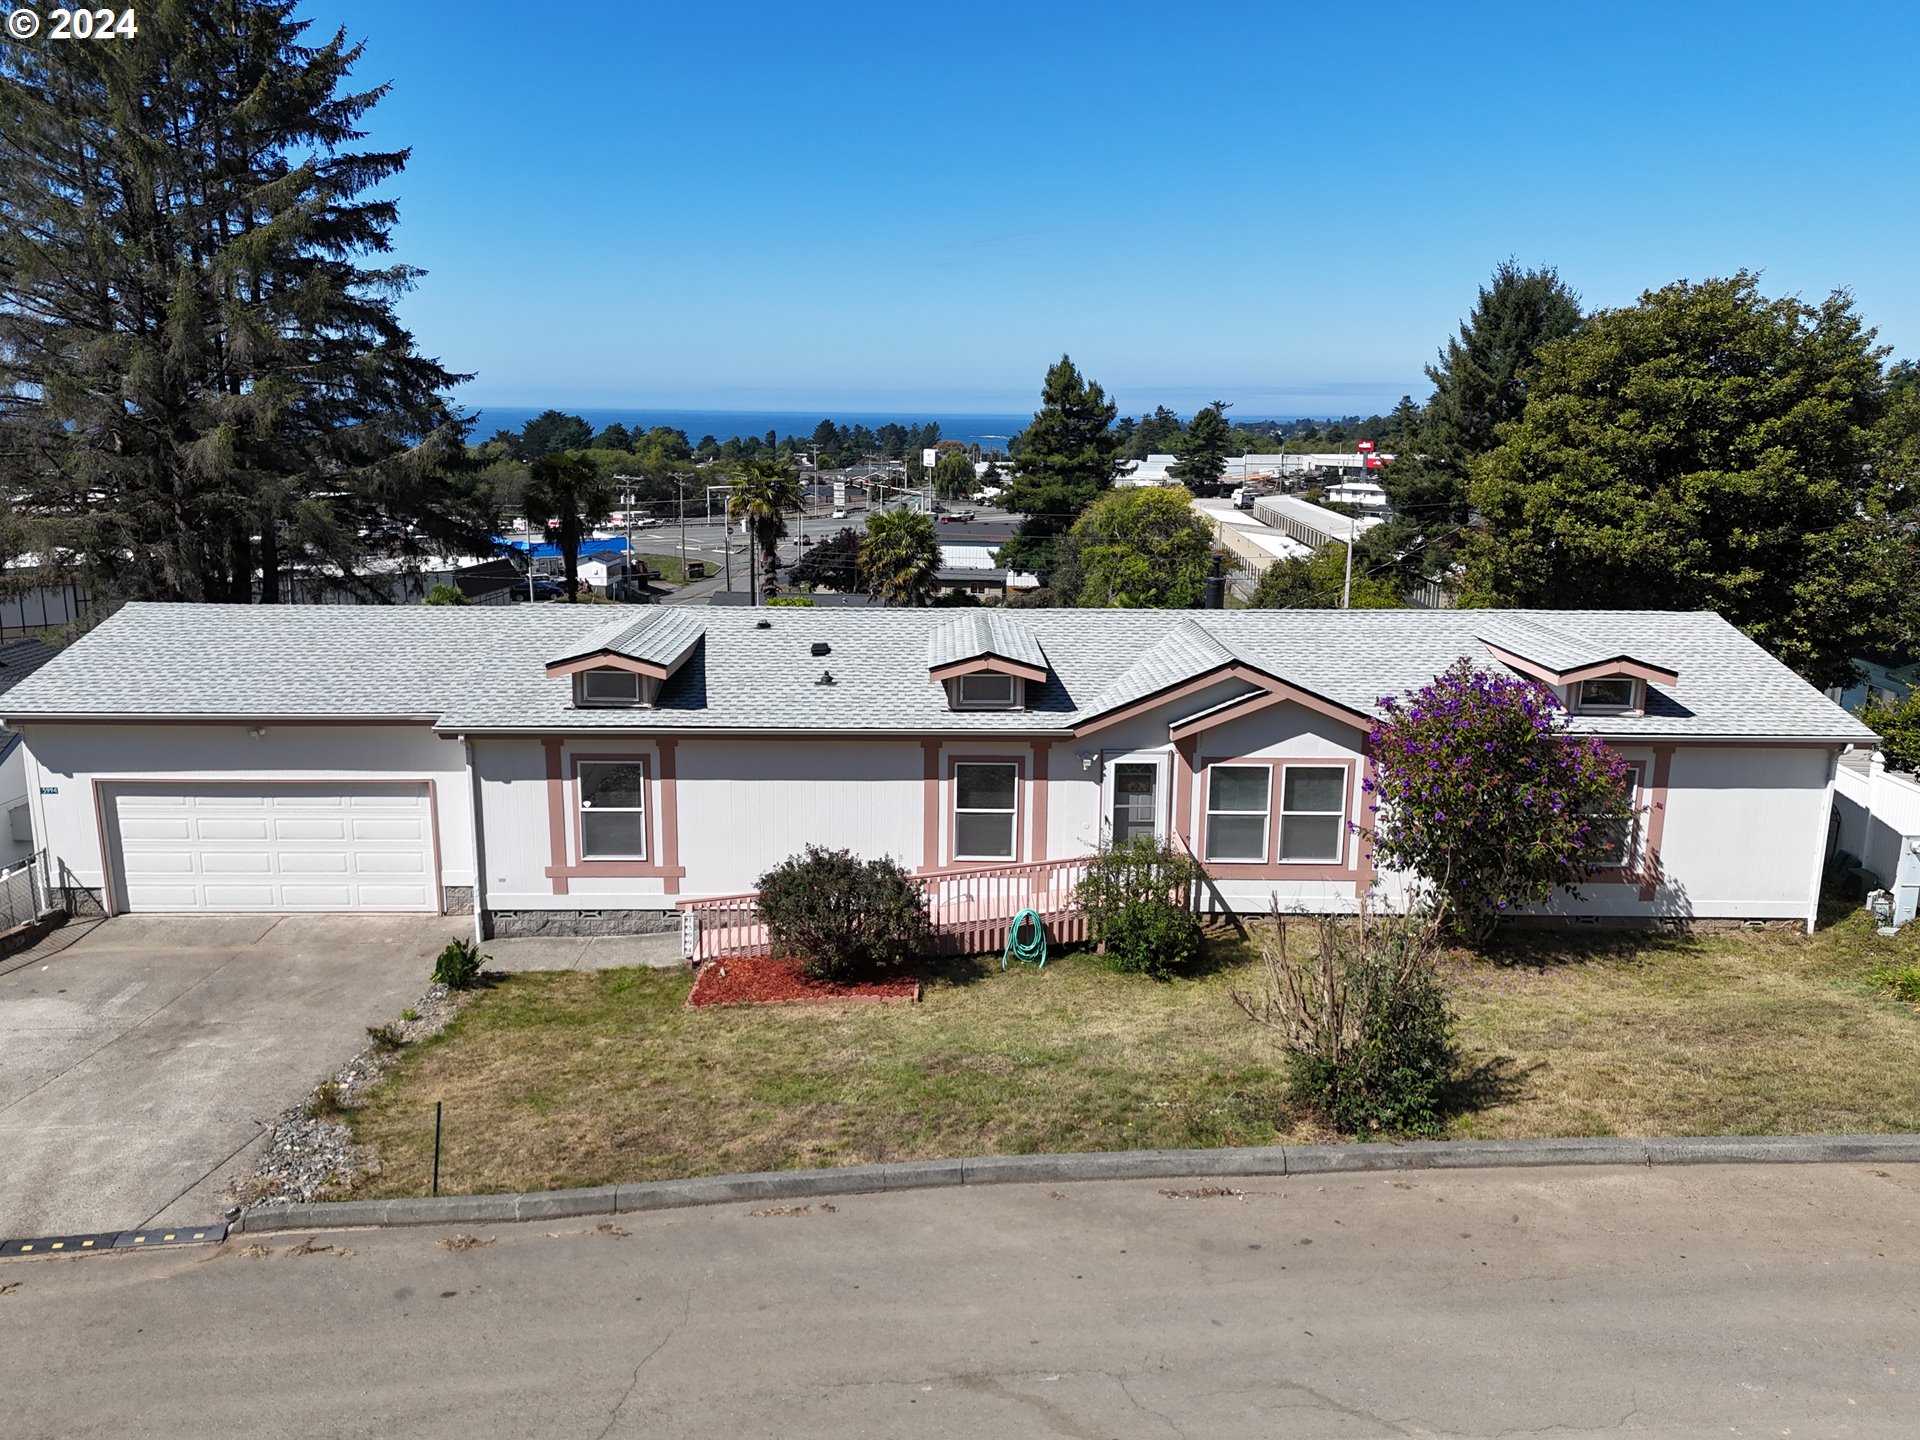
(1374, 462)
(1365, 447)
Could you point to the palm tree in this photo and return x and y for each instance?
(899, 556)
(568, 488)
(764, 493)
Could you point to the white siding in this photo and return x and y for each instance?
(747, 805)
(71, 758)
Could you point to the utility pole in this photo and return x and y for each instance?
(626, 514)
(1346, 587)
(680, 489)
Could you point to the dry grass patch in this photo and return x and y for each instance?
(553, 1080)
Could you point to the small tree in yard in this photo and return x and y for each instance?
(1136, 897)
(1481, 791)
(1363, 1021)
(842, 916)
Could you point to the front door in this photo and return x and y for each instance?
(1136, 800)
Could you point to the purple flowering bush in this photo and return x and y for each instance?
(1480, 789)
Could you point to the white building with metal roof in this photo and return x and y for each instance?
(558, 766)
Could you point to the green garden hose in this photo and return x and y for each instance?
(1032, 949)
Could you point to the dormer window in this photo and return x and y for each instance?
(1607, 695)
(986, 691)
(611, 687)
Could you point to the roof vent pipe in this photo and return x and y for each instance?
(826, 678)
(763, 624)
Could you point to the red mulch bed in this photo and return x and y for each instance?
(764, 981)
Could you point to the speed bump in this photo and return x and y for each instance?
(156, 1238)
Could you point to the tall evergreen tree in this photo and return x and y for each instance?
(1479, 384)
(1205, 447)
(1067, 457)
(203, 384)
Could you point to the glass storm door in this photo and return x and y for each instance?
(1136, 800)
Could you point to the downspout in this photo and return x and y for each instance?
(480, 926)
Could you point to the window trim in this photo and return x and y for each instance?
(1630, 863)
(1268, 837)
(1342, 835)
(1354, 867)
(1018, 765)
(1634, 706)
(576, 794)
(1015, 691)
(643, 690)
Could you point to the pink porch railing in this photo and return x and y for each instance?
(970, 910)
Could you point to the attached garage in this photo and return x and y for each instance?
(220, 846)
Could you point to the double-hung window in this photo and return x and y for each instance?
(1313, 812)
(1610, 838)
(1238, 798)
(985, 810)
(613, 810)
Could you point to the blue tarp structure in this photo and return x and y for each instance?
(588, 548)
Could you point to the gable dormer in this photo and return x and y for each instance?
(985, 661)
(623, 665)
(1589, 677)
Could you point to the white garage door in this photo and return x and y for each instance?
(272, 847)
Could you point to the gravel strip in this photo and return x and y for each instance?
(309, 1154)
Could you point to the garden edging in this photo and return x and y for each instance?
(1241, 1162)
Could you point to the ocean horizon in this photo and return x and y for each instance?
(990, 432)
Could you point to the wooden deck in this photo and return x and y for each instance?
(970, 910)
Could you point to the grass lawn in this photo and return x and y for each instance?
(569, 1078)
(667, 567)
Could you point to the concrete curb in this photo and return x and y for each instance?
(1246, 1162)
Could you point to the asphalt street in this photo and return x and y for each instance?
(1704, 1301)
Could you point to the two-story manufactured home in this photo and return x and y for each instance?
(586, 767)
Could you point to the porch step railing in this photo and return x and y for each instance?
(970, 910)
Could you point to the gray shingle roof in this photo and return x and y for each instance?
(1553, 645)
(1181, 653)
(475, 668)
(662, 635)
(980, 633)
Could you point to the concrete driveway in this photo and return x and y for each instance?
(141, 1064)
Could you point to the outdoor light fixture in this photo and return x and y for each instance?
(259, 732)
(1086, 759)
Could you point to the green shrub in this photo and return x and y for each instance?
(458, 967)
(1902, 980)
(797, 601)
(1138, 900)
(1363, 1020)
(327, 1102)
(842, 916)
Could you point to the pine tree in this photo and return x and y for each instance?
(1205, 447)
(1067, 458)
(1479, 384)
(203, 384)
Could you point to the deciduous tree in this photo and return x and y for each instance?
(1138, 547)
(1703, 449)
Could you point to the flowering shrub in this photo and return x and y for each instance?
(1480, 790)
(842, 917)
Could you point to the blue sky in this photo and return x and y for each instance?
(908, 206)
